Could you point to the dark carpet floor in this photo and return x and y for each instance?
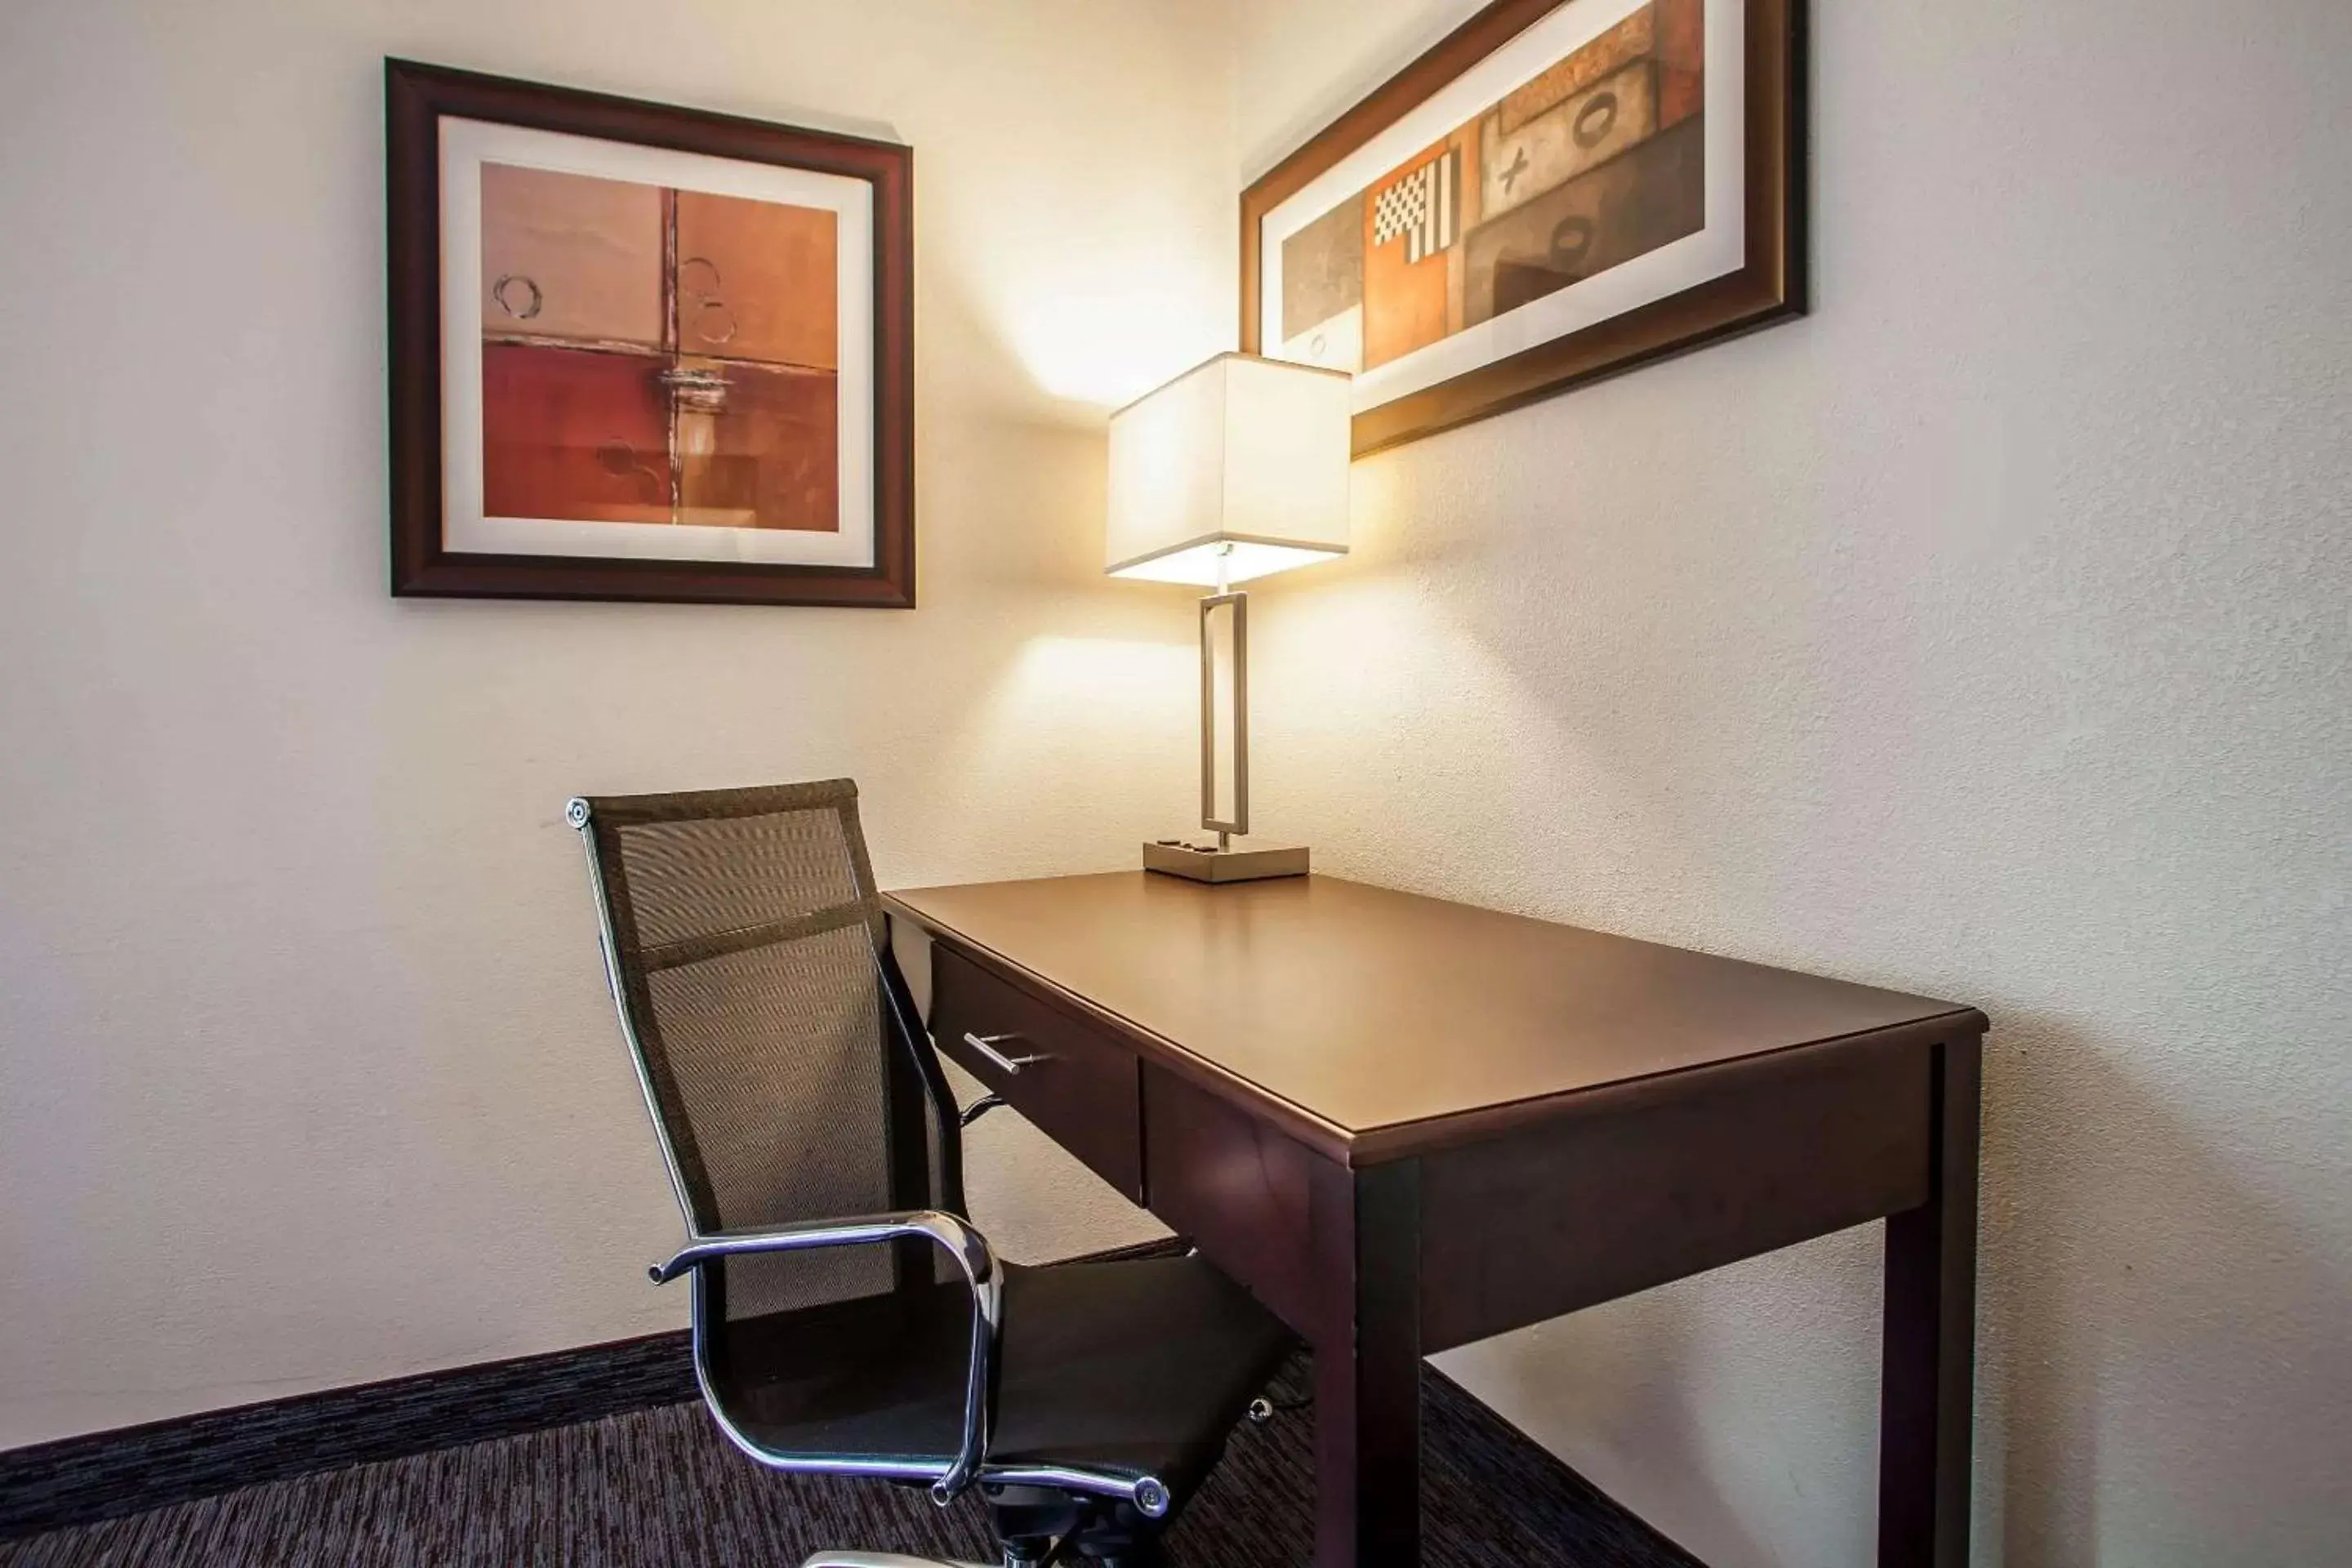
(660, 1487)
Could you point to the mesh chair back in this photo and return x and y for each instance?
(777, 1047)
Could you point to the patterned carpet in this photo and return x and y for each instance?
(660, 1489)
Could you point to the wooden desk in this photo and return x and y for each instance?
(1407, 1124)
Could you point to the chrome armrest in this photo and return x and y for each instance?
(970, 1248)
(961, 1241)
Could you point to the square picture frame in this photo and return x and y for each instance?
(1556, 192)
(644, 352)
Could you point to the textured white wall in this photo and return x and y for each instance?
(306, 1072)
(1985, 634)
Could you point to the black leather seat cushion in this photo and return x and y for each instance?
(1138, 1367)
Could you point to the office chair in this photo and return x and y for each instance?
(849, 1319)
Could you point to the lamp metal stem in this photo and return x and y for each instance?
(1236, 606)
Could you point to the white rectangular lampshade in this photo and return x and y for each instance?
(1240, 451)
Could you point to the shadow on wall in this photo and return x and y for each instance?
(1635, 1394)
(1870, 785)
(1643, 1387)
(2135, 1302)
(2037, 1388)
(2135, 1298)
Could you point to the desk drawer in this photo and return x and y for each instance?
(1082, 1089)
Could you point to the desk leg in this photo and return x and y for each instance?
(1925, 1414)
(1367, 1238)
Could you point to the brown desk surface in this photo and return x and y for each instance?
(1367, 1009)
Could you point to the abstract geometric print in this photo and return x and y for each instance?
(1596, 159)
(657, 355)
(1421, 206)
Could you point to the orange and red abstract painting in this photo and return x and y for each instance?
(640, 352)
(657, 355)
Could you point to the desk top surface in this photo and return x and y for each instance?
(1367, 1009)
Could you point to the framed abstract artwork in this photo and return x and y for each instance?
(1557, 190)
(644, 352)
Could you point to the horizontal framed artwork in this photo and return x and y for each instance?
(644, 352)
(1557, 190)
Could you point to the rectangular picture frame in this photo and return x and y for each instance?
(1743, 266)
(773, 525)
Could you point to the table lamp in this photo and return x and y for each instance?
(1235, 469)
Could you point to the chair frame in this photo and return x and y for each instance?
(943, 1227)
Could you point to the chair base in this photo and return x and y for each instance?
(1036, 1524)
(1092, 1531)
(896, 1560)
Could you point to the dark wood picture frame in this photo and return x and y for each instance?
(1770, 286)
(416, 98)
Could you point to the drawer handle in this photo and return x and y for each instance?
(986, 1046)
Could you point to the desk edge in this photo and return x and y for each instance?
(1406, 1140)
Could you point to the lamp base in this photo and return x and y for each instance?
(1207, 863)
